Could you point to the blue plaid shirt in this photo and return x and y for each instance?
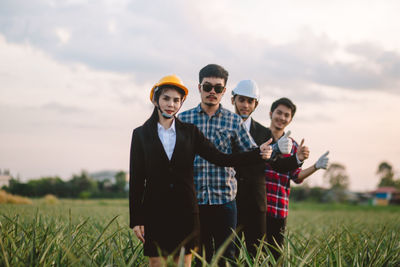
(217, 185)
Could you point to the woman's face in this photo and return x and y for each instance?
(170, 101)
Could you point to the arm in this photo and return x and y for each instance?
(294, 161)
(284, 164)
(208, 151)
(305, 173)
(322, 163)
(136, 182)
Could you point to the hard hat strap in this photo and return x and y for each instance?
(166, 115)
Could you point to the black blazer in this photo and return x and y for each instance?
(251, 180)
(159, 184)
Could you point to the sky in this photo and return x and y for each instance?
(75, 76)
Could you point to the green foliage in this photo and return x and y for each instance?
(79, 186)
(385, 171)
(305, 193)
(337, 176)
(95, 233)
(120, 181)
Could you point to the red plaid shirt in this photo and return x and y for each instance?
(278, 188)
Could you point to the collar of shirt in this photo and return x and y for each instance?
(247, 124)
(217, 113)
(162, 129)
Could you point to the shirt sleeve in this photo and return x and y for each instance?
(207, 150)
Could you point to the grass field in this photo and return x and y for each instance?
(95, 233)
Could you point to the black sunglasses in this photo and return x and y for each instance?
(217, 88)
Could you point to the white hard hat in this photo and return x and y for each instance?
(247, 88)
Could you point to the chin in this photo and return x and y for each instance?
(210, 104)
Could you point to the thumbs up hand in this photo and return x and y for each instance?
(266, 149)
(322, 162)
(285, 143)
(302, 151)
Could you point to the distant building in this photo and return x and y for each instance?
(5, 178)
(384, 196)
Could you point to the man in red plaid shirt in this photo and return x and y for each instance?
(278, 184)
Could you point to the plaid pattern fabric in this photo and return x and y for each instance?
(278, 188)
(217, 185)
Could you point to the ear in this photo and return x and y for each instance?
(199, 86)
(256, 105)
(270, 115)
(233, 100)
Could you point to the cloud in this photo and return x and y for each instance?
(62, 108)
(149, 41)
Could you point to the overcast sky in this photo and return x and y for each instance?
(75, 76)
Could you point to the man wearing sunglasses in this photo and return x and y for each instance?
(216, 186)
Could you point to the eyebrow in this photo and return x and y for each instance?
(214, 84)
(174, 97)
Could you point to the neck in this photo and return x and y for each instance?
(210, 110)
(276, 133)
(244, 119)
(166, 123)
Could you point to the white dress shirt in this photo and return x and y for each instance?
(168, 138)
(247, 124)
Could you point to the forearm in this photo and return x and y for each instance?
(305, 173)
(285, 164)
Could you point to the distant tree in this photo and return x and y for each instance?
(81, 183)
(17, 188)
(120, 181)
(316, 193)
(385, 171)
(337, 176)
(338, 181)
(298, 193)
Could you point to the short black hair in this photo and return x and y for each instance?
(160, 89)
(286, 102)
(213, 70)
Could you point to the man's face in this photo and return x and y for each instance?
(281, 117)
(212, 97)
(244, 105)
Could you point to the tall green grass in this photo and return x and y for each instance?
(95, 233)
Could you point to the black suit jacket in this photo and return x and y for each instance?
(158, 184)
(251, 180)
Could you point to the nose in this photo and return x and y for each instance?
(213, 91)
(170, 103)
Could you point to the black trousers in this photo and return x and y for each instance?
(275, 234)
(217, 223)
(252, 224)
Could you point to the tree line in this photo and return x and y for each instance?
(79, 186)
(338, 180)
(84, 186)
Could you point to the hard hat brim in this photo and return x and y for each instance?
(168, 83)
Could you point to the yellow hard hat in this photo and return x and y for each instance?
(169, 80)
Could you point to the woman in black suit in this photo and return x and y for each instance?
(162, 199)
